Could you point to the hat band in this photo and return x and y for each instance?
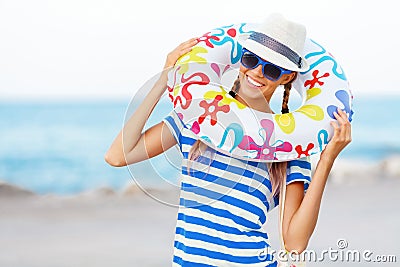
(277, 47)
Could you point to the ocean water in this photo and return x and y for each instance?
(58, 147)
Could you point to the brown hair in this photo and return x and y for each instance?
(277, 170)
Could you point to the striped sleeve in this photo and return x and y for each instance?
(299, 170)
(175, 125)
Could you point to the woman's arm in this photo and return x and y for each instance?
(131, 145)
(301, 211)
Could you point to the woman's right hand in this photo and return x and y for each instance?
(179, 51)
(131, 144)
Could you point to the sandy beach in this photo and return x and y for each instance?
(129, 228)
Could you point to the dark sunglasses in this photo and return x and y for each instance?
(271, 72)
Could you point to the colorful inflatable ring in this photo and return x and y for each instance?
(200, 97)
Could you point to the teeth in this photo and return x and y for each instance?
(253, 82)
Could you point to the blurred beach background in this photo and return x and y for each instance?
(68, 73)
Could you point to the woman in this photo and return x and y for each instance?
(224, 200)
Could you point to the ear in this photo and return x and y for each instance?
(288, 78)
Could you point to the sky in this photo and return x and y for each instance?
(93, 49)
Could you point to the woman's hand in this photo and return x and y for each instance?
(180, 50)
(341, 137)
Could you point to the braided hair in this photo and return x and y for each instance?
(278, 169)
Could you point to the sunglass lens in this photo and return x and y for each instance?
(249, 60)
(272, 72)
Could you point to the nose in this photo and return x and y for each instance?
(258, 70)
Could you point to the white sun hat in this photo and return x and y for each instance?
(278, 41)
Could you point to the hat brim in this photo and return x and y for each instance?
(270, 55)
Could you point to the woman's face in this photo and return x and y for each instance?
(254, 85)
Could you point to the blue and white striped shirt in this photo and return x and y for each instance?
(224, 203)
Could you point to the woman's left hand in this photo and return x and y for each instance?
(179, 51)
(341, 137)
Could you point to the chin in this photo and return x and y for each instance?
(248, 90)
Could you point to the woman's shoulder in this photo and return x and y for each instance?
(181, 132)
(304, 162)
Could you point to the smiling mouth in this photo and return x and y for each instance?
(254, 82)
